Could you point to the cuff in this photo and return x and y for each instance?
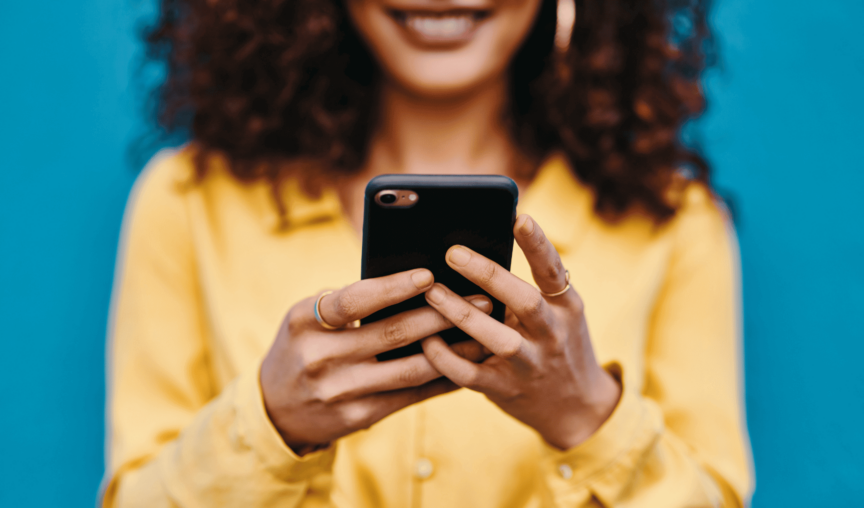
(258, 432)
(628, 430)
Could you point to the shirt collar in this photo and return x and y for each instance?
(302, 209)
(555, 199)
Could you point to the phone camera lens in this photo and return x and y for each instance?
(388, 199)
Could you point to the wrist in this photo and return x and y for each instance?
(298, 446)
(587, 415)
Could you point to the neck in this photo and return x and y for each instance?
(465, 134)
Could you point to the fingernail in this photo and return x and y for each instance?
(435, 295)
(422, 278)
(459, 256)
(481, 303)
(527, 225)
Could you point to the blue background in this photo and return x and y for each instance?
(784, 131)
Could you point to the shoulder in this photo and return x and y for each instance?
(701, 210)
(702, 228)
(170, 181)
(156, 204)
(171, 194)
(164, 178)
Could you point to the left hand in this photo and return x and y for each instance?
(543, 371)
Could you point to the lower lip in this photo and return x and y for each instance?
(439, 30)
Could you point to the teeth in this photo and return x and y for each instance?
(440, 27)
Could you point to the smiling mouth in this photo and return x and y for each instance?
(440, 27)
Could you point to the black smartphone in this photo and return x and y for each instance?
(410, 221)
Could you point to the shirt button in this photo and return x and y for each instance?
(565, 471)
(423, 468)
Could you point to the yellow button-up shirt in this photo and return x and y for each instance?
(205, 277)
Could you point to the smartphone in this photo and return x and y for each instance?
(410, 221)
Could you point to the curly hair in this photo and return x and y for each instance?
(267, 82)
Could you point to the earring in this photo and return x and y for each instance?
(564, 28)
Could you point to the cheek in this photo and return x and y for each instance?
(445, 72)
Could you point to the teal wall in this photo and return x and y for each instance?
(784, 131)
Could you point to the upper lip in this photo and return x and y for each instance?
(438, 7)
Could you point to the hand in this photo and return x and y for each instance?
(543, 371)
(320, 385)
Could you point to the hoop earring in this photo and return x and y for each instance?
(564, 28)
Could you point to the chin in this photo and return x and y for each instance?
(441, 80)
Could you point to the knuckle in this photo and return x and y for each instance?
(410, 375)
(511, 349)
(557, 348)
(433, 354)
(395, 333)
(555, 270)
(488, 274)
(328, 394)
(463, 316)
(294, 320)
(534, 304)
(347, 305)
(471, 380)
(537, 241)
(355, 416)
(315, 364)
(509, 392)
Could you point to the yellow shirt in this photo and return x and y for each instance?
(204, 279)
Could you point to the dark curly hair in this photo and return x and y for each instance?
(264, 83)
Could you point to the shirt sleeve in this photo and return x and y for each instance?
(682, 441)
(171, 440)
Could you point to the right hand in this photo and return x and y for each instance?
(320, 385)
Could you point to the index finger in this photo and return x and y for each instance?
(522, 298)
(359, 300)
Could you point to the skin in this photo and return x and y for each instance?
(320, 385)
(430, 71)
(441, 108)
(543, 371)
(441, 112)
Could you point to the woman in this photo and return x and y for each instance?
(292, 107)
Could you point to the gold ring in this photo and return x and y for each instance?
(318, 313)
(559, 293)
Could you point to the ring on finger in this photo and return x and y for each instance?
(324, 324)
(559, 293)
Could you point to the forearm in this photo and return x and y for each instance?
(228, 456)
